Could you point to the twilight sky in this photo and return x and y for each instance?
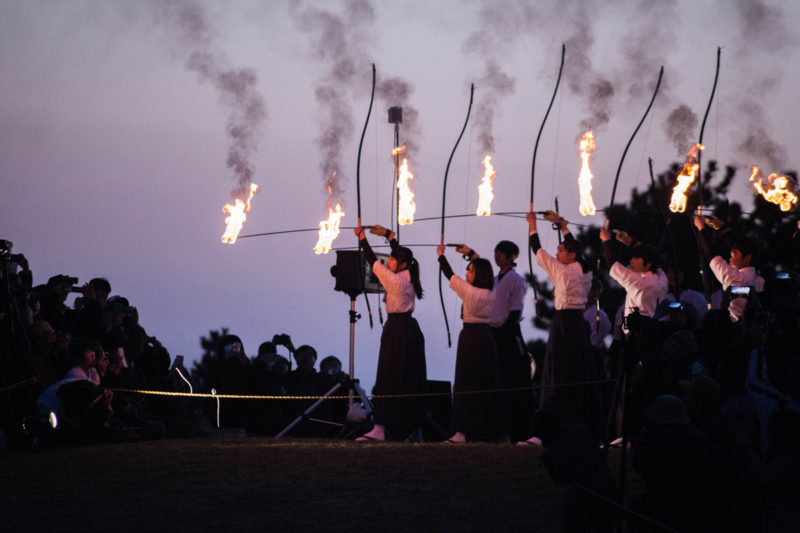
(117, 120)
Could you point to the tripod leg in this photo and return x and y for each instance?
(615, 400)
(308, 411)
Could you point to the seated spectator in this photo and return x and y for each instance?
(47, 362)
(573, 458)
(81, 406)
(673, 458)
(83, 355)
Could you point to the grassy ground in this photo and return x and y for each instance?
(278, 485)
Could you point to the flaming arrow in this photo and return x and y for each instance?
(444, 197)
(533, 173)
(619, 168)
(701, 260)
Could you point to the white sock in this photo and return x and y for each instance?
(378, 432)
(458, 437)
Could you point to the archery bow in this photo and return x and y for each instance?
(703, 128)
(619, 168)
(358, 183)
(533, 171)
(361, 144)
(664, 217)
(444, 197)
(700, 259)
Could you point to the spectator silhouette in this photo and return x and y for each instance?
(573, 458)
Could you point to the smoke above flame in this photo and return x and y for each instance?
(777, 190)
(677, 203)
(237, 89)
(338, 42)
(485, 193)
(585, 177)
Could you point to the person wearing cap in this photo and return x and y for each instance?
(566, 359)
(504, 320)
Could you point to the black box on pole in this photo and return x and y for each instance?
(395, 115)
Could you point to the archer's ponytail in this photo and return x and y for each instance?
(413, 269)
(405, 255)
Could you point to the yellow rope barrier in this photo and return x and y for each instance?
(19, 384)
(344, 397)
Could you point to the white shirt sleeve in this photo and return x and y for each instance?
(477, 302)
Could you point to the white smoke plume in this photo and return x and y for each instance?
(763, 35)
(237, 87)
(338, 43)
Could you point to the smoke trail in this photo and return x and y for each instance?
(500, 26)
(680, 127)
(764, 33)
(237, 87)
(754, 142)
(492, 85)
(583, 80)
(395, 91)
(649, 37)
(338, 42)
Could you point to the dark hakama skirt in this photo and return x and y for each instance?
(401, 370)
(567, 361)
(480, 415)
(515, 372)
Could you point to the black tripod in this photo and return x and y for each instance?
(356, 413)
(637, 326)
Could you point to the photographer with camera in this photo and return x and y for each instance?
(53, 297)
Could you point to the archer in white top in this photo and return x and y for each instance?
(645, 286)
(570, 284)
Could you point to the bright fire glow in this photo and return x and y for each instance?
(329, 230)
(585, 177)
(677, 203)
(237, 214)
(399, 150)
(485, 194)
(406, 207)
(778, 191)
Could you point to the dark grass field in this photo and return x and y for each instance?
(278, 485)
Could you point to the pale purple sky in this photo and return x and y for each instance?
(113, 152)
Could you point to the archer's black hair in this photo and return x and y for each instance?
(405, 255)
(484, 277)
